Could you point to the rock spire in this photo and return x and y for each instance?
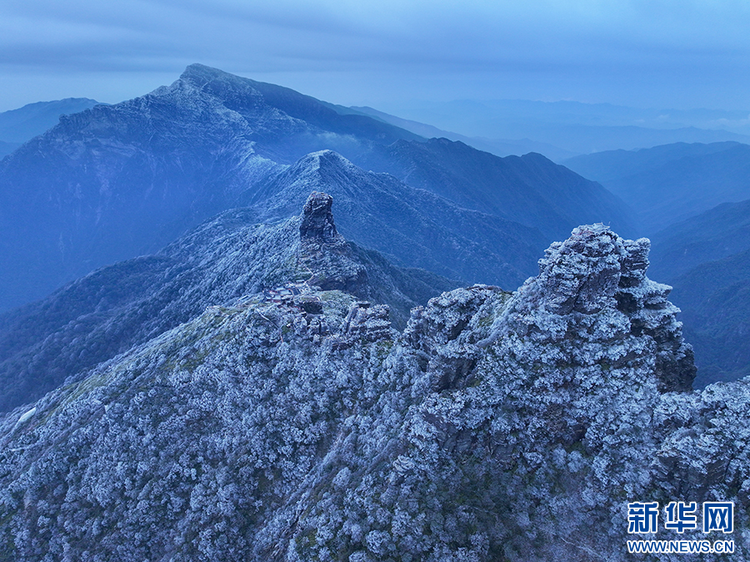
(317, 220)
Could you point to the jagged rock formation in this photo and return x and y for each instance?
(232, 255)
(365, 323)
(595, 282)
(317, 226)
(495, 427)
(325, 252)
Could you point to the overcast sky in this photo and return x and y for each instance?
(646, 53)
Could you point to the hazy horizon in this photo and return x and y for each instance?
(656, 54)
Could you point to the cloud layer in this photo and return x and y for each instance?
(680, 53)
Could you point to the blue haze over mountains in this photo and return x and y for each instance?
(564, 129)
(220, 371)
(118, 181)
(115, 182)
(19, 125)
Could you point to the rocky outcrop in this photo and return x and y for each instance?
(368, 322)
(325, 252)
(317, 225)
(593, 288)
(495, 427)
(444, 332)
(364, 323)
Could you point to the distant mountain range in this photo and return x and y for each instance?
(499, 147)
(715, 298)
(528, 189)
(707, 259)
(114, 182)
(670, 183)
(565, 128)
(19, 125)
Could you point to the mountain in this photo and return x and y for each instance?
(413, 226)
(580, 128)
(671, 183)
(114, 182)
(214, 266)
(499, 147)
(715, 299)
(7, 147)
(19, 125)
(494, 427)
(707, 259)
(530, 189)
(713, 235)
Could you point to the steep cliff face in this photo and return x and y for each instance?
(593, 288)
(324, 251)
(494, 427)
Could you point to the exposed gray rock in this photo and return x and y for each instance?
(367, 321)
(594, 285)
(317, 225)
(325, 252)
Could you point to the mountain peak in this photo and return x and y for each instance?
(326, 157)
(200, 73)
(324, 166)
(317, 220)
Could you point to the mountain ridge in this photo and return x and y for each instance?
(230, 256)
(19, 125)
(118, 181)
(493, 427)
(529, 189)
(414, 226)
(671, 183)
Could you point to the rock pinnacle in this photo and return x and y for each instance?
(317, 220)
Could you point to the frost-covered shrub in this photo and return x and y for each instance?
(495, 427)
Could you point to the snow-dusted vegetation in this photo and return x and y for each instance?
(216, 264)
(302, 427)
